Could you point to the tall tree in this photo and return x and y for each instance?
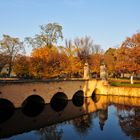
(128, 55)
(95, 62)
(84, 47)
(74, 66)
(22, 66)
(49, 35)
(11, 47)
(48, 62)
(134, 44)
(123, 60)
(96, 49)
(110, 59)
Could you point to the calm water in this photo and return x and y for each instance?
(101, 118)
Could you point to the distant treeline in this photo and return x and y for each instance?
(48, 60)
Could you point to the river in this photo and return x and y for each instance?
(97, 118)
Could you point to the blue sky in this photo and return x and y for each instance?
(108, 22)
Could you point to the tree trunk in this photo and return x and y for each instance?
(10, 69)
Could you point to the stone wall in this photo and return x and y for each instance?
(105, 89)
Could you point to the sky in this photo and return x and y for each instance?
(108, 22)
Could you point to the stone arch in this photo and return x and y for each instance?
(96, 91)
(33, 105)
(78, 98)
(59, 101)
(6, 109)
(95, 97)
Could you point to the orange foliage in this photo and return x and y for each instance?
(95, 61)
(128, 55)
(22, 66)
(48, 62)
(110, 59)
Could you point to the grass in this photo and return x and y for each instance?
(124, 83)
(119, 84)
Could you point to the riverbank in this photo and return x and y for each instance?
(119, 90)
(124, 83)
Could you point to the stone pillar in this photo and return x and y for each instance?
(86, 71)
(104, 75)
(103, 72)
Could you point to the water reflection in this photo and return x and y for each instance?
(50, 133)
(103, 115)
(83, 124)
(129, 121)
(72, 120)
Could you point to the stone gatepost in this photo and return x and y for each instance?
(86, 71)
(104, 74)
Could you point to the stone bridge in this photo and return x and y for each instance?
(31, 97)
(18, 92)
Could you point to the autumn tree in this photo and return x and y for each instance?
(48, 36)
(3, 60)
(128, 56)
(123, 60)
(96, 49)
(95, 62)
(133, 43)
(22, 66)
(48, 62)
(96, 58)
(83, 50)
(74, 66)
(11, 47)
(110, 60)
(84, 47)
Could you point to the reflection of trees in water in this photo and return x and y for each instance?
(95, 114)
(103, 115)
(83, 124)
(50, 133)
(129, 120)
(123, 108)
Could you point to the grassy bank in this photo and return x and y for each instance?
(124, 83)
